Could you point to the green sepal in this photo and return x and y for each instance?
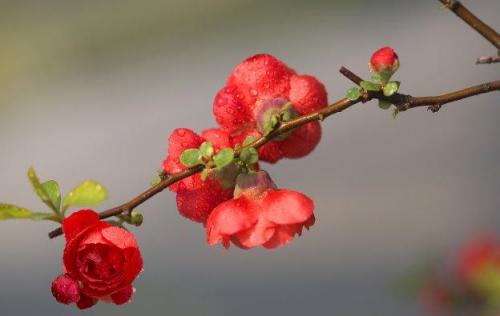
(249, 140)
(249, 155)
(353, 93)
(87, 193)
(384, 105)
(191, 157)
(224, 157)
(207, 149)
(391, 88)
(369, 86)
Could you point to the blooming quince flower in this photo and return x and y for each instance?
(257, 89)
(100, 262)
(259, 214)
(196, 198)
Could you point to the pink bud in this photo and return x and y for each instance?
(65, 289)
(384, 60)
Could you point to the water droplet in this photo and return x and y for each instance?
(181, 132)
(254, 92)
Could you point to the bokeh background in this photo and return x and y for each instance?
(92, 89)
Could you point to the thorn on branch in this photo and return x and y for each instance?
(434, 108)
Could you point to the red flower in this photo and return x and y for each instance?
(476, 256)
(384, 60)
(100, 262)
(196, 198)
(260, 80)
(259, 214)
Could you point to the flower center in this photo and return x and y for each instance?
(100, 262)
(271, 112)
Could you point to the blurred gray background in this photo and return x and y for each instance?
(92, 89)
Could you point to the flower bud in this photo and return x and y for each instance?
(384, 62)
(65, 289)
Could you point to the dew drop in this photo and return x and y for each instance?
(254, 92)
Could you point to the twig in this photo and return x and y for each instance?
(488, 60)
(482, 28)
(400, 100)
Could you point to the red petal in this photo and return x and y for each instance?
(283, 235)
(263, 75)
(271, 152)
(232, 107)
(119, 237)
(123, 296)
(182, 139)
(197, 204)
(79, 221)
(307, 94)
(231, 217)
(302, 141)
(86, 302)
(287, 207)
(218, 137)
(256, 235)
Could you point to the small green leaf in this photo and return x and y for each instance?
(40, 190)
(87, 193)
(249, 140)
(353, 94)
(51, 187)
(391, 88)
(224, 157)
(384, 105)
(207, 149)
(9, 211)
(191, 157)
(249, 155)
(369, 86)
(155, 181)
(381, 78)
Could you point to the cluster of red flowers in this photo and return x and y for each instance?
(473, 286)
(250, 211)
(236, 202)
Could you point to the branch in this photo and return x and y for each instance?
(482, 28)
(403, 102)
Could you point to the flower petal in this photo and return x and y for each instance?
(256, 235)
(302, 141)
(86, 301)
(232, 107)
(123, 296)
(77, 222)
(307, 94)
(287, 207)
(283, 235)
(230, 218)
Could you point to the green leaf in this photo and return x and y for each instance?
(191, 157)
(395, 113)
(51, 187)
(207, 149)
(353, 94)
(249, 155)
(9, 211)
(224, 157)
(381, 78)
(369, 86)
(249, 140)
(384, 105)
(391, 88)
(40, 190)
(87, 193)
(156, 180)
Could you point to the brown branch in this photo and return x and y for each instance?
(403, 102)
(482, 28)
(488, 60)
